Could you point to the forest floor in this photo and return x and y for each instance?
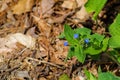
(29, 45)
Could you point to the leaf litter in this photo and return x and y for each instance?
(29, 44)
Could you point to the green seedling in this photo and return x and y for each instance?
(101, 76)
(82, 42)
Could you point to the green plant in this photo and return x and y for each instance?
(114, 42)
(101, 76)
(95, 6)
(64, 77)
(114, 30)
(82, 42)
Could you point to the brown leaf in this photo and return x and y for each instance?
(42, 26)
(3, 6)
(82, 14)
(81, 2)
(23, 6)
(8, 43)
(31, 32)
(58, 53)
(46, 5)
(22, 74)
(60, 19)
(70, 4)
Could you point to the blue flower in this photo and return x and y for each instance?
(65, 43)
(86, 41)
(76, 36)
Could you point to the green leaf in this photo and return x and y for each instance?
(79, 54)
(114, 42)
(99, 70)
(114, 28)
(89, 75)
(105, 44)
(83, 31)
(69, 35)
(71, 52)
(98, 37)
(93, 51)
(107, 76)
(95, 6)
(64, 77)
(101, 76)
(118, 59)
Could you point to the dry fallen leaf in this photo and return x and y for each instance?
(93, 70)
(70, 4)
(82, 14)
(42, 26)
(25, 40)
(22, 74)
(46, 5)
(23, 6)
(8, 43)
(31, 32)
(42, 78)
(81, 2)
(60, 19)
(3, 6)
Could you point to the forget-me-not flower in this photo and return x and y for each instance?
(76, 36)
(65, 43)
(86, 41)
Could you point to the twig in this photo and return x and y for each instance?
(45, 62)
(20, 53)
(9, 70)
